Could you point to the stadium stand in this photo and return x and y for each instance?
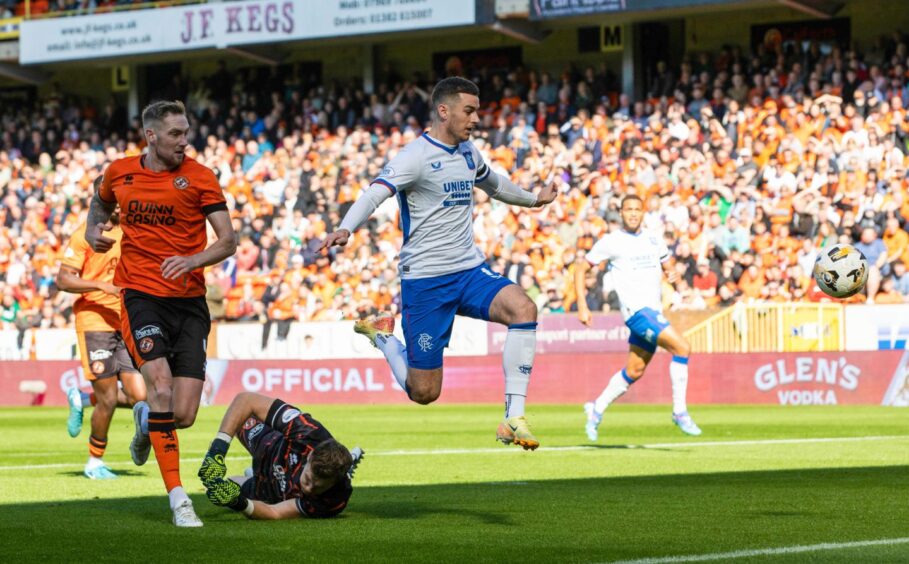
(748, 163)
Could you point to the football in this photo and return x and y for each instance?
(841, 270)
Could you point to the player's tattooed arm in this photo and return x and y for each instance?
(99, 212)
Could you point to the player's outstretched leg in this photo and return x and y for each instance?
(140, 446)
(379, 330)
(615, 389)
(513, 308)
(675, 343)
(517, 364)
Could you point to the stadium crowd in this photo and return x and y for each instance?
(748, 164)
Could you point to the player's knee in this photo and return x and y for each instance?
(634, 372)
(423, 397)
(106, 399)
(424, 394)
(184, 420)
(526, 311)
(683, 349)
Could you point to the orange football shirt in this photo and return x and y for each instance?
(162, 215)
(95, 311)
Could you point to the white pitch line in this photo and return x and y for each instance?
(797, 549)
(503, 450)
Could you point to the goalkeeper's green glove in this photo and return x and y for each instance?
(226, 493)
(213, 466)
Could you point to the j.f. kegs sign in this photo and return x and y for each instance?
(225, 24)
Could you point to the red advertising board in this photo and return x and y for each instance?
(878, 377)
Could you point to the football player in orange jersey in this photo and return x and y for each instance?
(165, 200)
(105, 359)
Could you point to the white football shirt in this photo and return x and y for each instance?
(434, 184)
(636, 266)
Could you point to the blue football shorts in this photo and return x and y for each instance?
(429, 306)
(646, 325)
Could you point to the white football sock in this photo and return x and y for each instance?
(517, 362)
(396, 355)
(616, 387)
(678, 374)
(176, 496)
(93, 462)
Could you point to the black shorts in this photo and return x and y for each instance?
(174, 328)
(103, 354)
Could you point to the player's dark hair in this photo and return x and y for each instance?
(330, 460)
(450, 87)
(157, 111)
(630, 198)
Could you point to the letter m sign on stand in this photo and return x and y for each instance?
(612, 39)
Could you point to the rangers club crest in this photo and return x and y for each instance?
(181, 183)
(468, 156)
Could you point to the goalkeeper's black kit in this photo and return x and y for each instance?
(279, 447)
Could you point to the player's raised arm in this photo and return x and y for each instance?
(243, 406)
(357, 215)
(400, 174)
(503, 189)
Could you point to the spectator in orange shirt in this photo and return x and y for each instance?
(888, 293)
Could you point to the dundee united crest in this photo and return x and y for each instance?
(181, 183)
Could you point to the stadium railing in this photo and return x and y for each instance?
(771, 327)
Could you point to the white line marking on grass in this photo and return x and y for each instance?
(424, 452)
(766, 551)
(504, 450)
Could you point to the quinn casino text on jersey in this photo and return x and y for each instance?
(149, 213)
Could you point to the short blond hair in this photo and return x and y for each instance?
(157, 111)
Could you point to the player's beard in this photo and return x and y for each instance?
(176, 159)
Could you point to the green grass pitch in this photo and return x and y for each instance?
(435, 487)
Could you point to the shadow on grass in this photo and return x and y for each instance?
(629, 447)
(121, 473)
(597, 519)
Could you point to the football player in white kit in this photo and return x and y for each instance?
(637, 261)
(443, 272)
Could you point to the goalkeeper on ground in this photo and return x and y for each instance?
(298, 469)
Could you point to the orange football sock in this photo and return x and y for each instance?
(96, 446)
(163, 435)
